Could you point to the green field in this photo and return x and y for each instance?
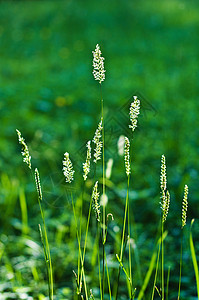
(47, 91)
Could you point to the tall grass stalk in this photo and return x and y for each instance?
(168, 277)
(99, 75)
(108, 278)
(27, 159)
(162, 258)
(157, 262)
(129, 233)
(45, 241)
(103, 189)
(78, 239)
(184, 217)
(98, 259)
(165, 202)
(194, 259)
(123, 239)
(80, 236)
(86, 170)
(86, 235)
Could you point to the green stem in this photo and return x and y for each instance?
(129, 238)
(194, 258)
(48, 252)
(123, 234)
(78, 239)
(104, 208)
(109, 286)
(79, 275)
(168, 276)
(98, 256)
(162, 242)
(180, 265)
(156, 272)
(46, 244)
(158, 256)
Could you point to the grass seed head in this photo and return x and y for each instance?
(38, 184)
(25, 152)
(98, 65)
(68, 168)
(165, 195)
(97, 142)
(185, 206)
(96, 205)
(134, 112)
(166, 207)
(86, 165)
(163, 178)
(127, 156)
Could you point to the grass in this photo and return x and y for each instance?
(45, 79)
(102, 234)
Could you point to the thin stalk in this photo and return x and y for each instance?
(45, 244)
(194, 259)
(127, 276)
(156, 273)
(104, 208)
(159, 243)
(162, 260)
(80, 234)
(48, 252)
(168, 276)
(118, 279)
(47, 248)
(180, 265)
(78, 239)
(136, 249)
(109, 286)
(98, 256)
(124, 224)
(87, 226)
(129, 236)
(123, 234)
(46, 258)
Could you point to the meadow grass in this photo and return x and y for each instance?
(107, 289)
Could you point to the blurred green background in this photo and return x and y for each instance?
(47, 91)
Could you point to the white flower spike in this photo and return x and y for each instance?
(86, 165)
(68, 168)
(98, 65)
(134, 112)
(97, 142)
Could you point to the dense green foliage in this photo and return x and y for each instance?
(47, 91)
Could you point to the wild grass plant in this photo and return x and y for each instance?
(155, 278)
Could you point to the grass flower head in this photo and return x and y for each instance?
(86, 165)
(165, 206)
(98, 65)
(127, 156)
(38, 184)
(165, 195)
(163, 178)
(134, 112)
(25, 152)
(68, 168)
(96, 205)
(185, 206)
(97, 142)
